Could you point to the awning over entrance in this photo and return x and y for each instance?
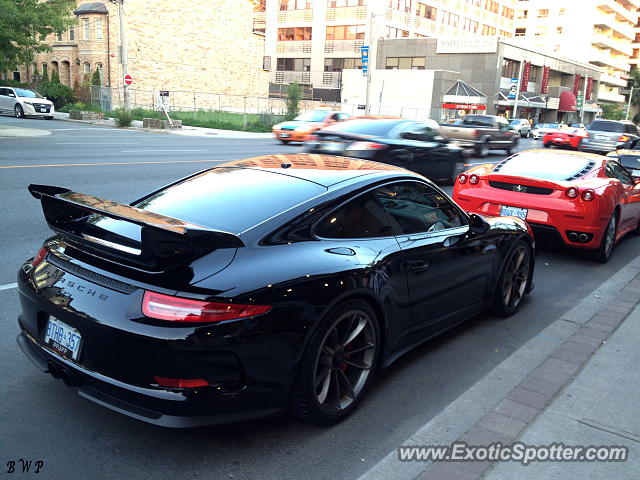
(567, 102)
(463, 93)
(525, 100)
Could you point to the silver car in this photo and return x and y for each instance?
(21, 102)
(522, 126)
(606, 135)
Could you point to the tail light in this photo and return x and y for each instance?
(40, 256)
(181, 382)
(179, 309)
(572, 192)
(588, 195)
(462, 178)
(365, 146)
(623, 138)
(474, 179)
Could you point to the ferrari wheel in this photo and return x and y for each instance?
(513, 281)
(338, 365)
(603, 253)
(546, 145)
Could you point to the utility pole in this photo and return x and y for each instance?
(626, 117)
(123, 54)
(367, 105)
(515, 102)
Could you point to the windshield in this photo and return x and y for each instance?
(515, 122)
(606, 126)
(27, 93)
(556, 167)
(548, 125)
(312, 116)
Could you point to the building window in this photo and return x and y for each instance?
(450, 19)
(294, 34)
(510, 68)
(559, 30)
(488, 30)
(405, 63)
(507, 12)
(425, 11)
(543, 13)
(523, 14)
(58, 37)
(504, 33)
(345, 32)
(346, 3)
(540, 31)
(99, 28)
(44, 68)
(72, 33)
(295, 5)
(491, 5)
(294, 64)
(470, 25)
(85, 29)
(475, 3)
(402, 5)
(86, 68)
(521, 32)
(266, 62)
(561, 12)
(534, 73)
(393, 32)
(339, 64)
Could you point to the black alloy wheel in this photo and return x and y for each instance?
(18, 111)
(338, 364)
(513, 280)
(482, 150)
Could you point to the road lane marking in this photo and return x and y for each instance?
(8, 286)
(160, 150)
(96, 143)
(113, 163)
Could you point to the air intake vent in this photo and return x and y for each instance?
(582, 172)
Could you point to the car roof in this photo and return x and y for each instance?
(325, 170)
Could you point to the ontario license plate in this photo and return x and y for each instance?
(285, 135)
(62, 338)
(601, 137)
(506, 211)
(43, 110)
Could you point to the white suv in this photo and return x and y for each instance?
(522, 126)
(22, 103)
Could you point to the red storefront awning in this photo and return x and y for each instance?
(567, 102)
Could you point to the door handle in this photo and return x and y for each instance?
(418, 266)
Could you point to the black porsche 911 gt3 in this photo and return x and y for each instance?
(257, 286)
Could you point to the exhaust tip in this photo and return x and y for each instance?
(583, 237)
(573, 236)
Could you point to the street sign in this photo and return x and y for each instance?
(364, 52)
(579, 101)
(361, 107)
(164, 93)
(513, 90)
(128, 80)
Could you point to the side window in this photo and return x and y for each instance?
(415, 207)
(615, 170)
(632, 129)
(342, 116)
(362, 217)
(503, 126)
(3, 92)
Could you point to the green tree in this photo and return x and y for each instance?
(95, 79)
(45, 75)
(635, 83)
(25, 24)
(55, 77)
(294, 95)
(611, 111)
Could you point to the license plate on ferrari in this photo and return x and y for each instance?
(62, 338)
(285, 135)
(506, 211)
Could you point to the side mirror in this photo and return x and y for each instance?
(478, 224)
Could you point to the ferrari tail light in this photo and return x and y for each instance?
(40, 256)
(179, 309)
(474, 179)
(588, 195)
(365, 146)
(181, 382)
(572, 192)
(462, 178)
(623, 138)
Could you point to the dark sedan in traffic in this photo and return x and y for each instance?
(258, 286)
(416, 146)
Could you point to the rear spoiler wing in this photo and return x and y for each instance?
(164, 240)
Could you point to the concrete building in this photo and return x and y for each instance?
(600, 32)
(202, 45)
(489, 75)
(312, 42)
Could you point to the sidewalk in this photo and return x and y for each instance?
(586, 393)
(185, 130)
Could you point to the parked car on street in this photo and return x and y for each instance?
(409, 144)
(260, 286)
(21, 103)
(629, 159)
(541, 129)
(298, 129)
(521, 126)
(565, 137)
(607, 135)
(483, 133)
(542, 187)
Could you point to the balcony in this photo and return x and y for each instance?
(608, 96)
(331, 79)
(604, 58)
(295, 16)
(346, 13)
(290, 77)
(611, 6)
(603, 40)
(424, 26)
(613, 80)
(343, 46)
(609, 21)
(302, 46)
(397, 17)
(259, 22)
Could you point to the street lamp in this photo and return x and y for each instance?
(367, 104)
(546, 103)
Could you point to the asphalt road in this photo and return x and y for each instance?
(44, 420)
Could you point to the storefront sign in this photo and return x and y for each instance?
(463, 106)
(589, 88)
(467, 45)
(545, 80)
(576, 84)
(526, 72)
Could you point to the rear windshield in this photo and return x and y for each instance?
(556, 167)
(312, 116)
(374, 128)
(478, 120)
(604, 126)
(548, 125)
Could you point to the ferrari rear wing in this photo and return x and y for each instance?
(163, 240)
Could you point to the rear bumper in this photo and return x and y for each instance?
(290, 135)
(592, 145)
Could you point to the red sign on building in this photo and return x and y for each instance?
(545, 80)
(589, 88)
(576, 85)
(463, 106)
(526, 73)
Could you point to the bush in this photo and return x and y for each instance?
(294, 95)
(265, 122)
(95, 78)
(55, 77)
(82, 107)
(14, 84)
(123, 117)
(59, 94)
